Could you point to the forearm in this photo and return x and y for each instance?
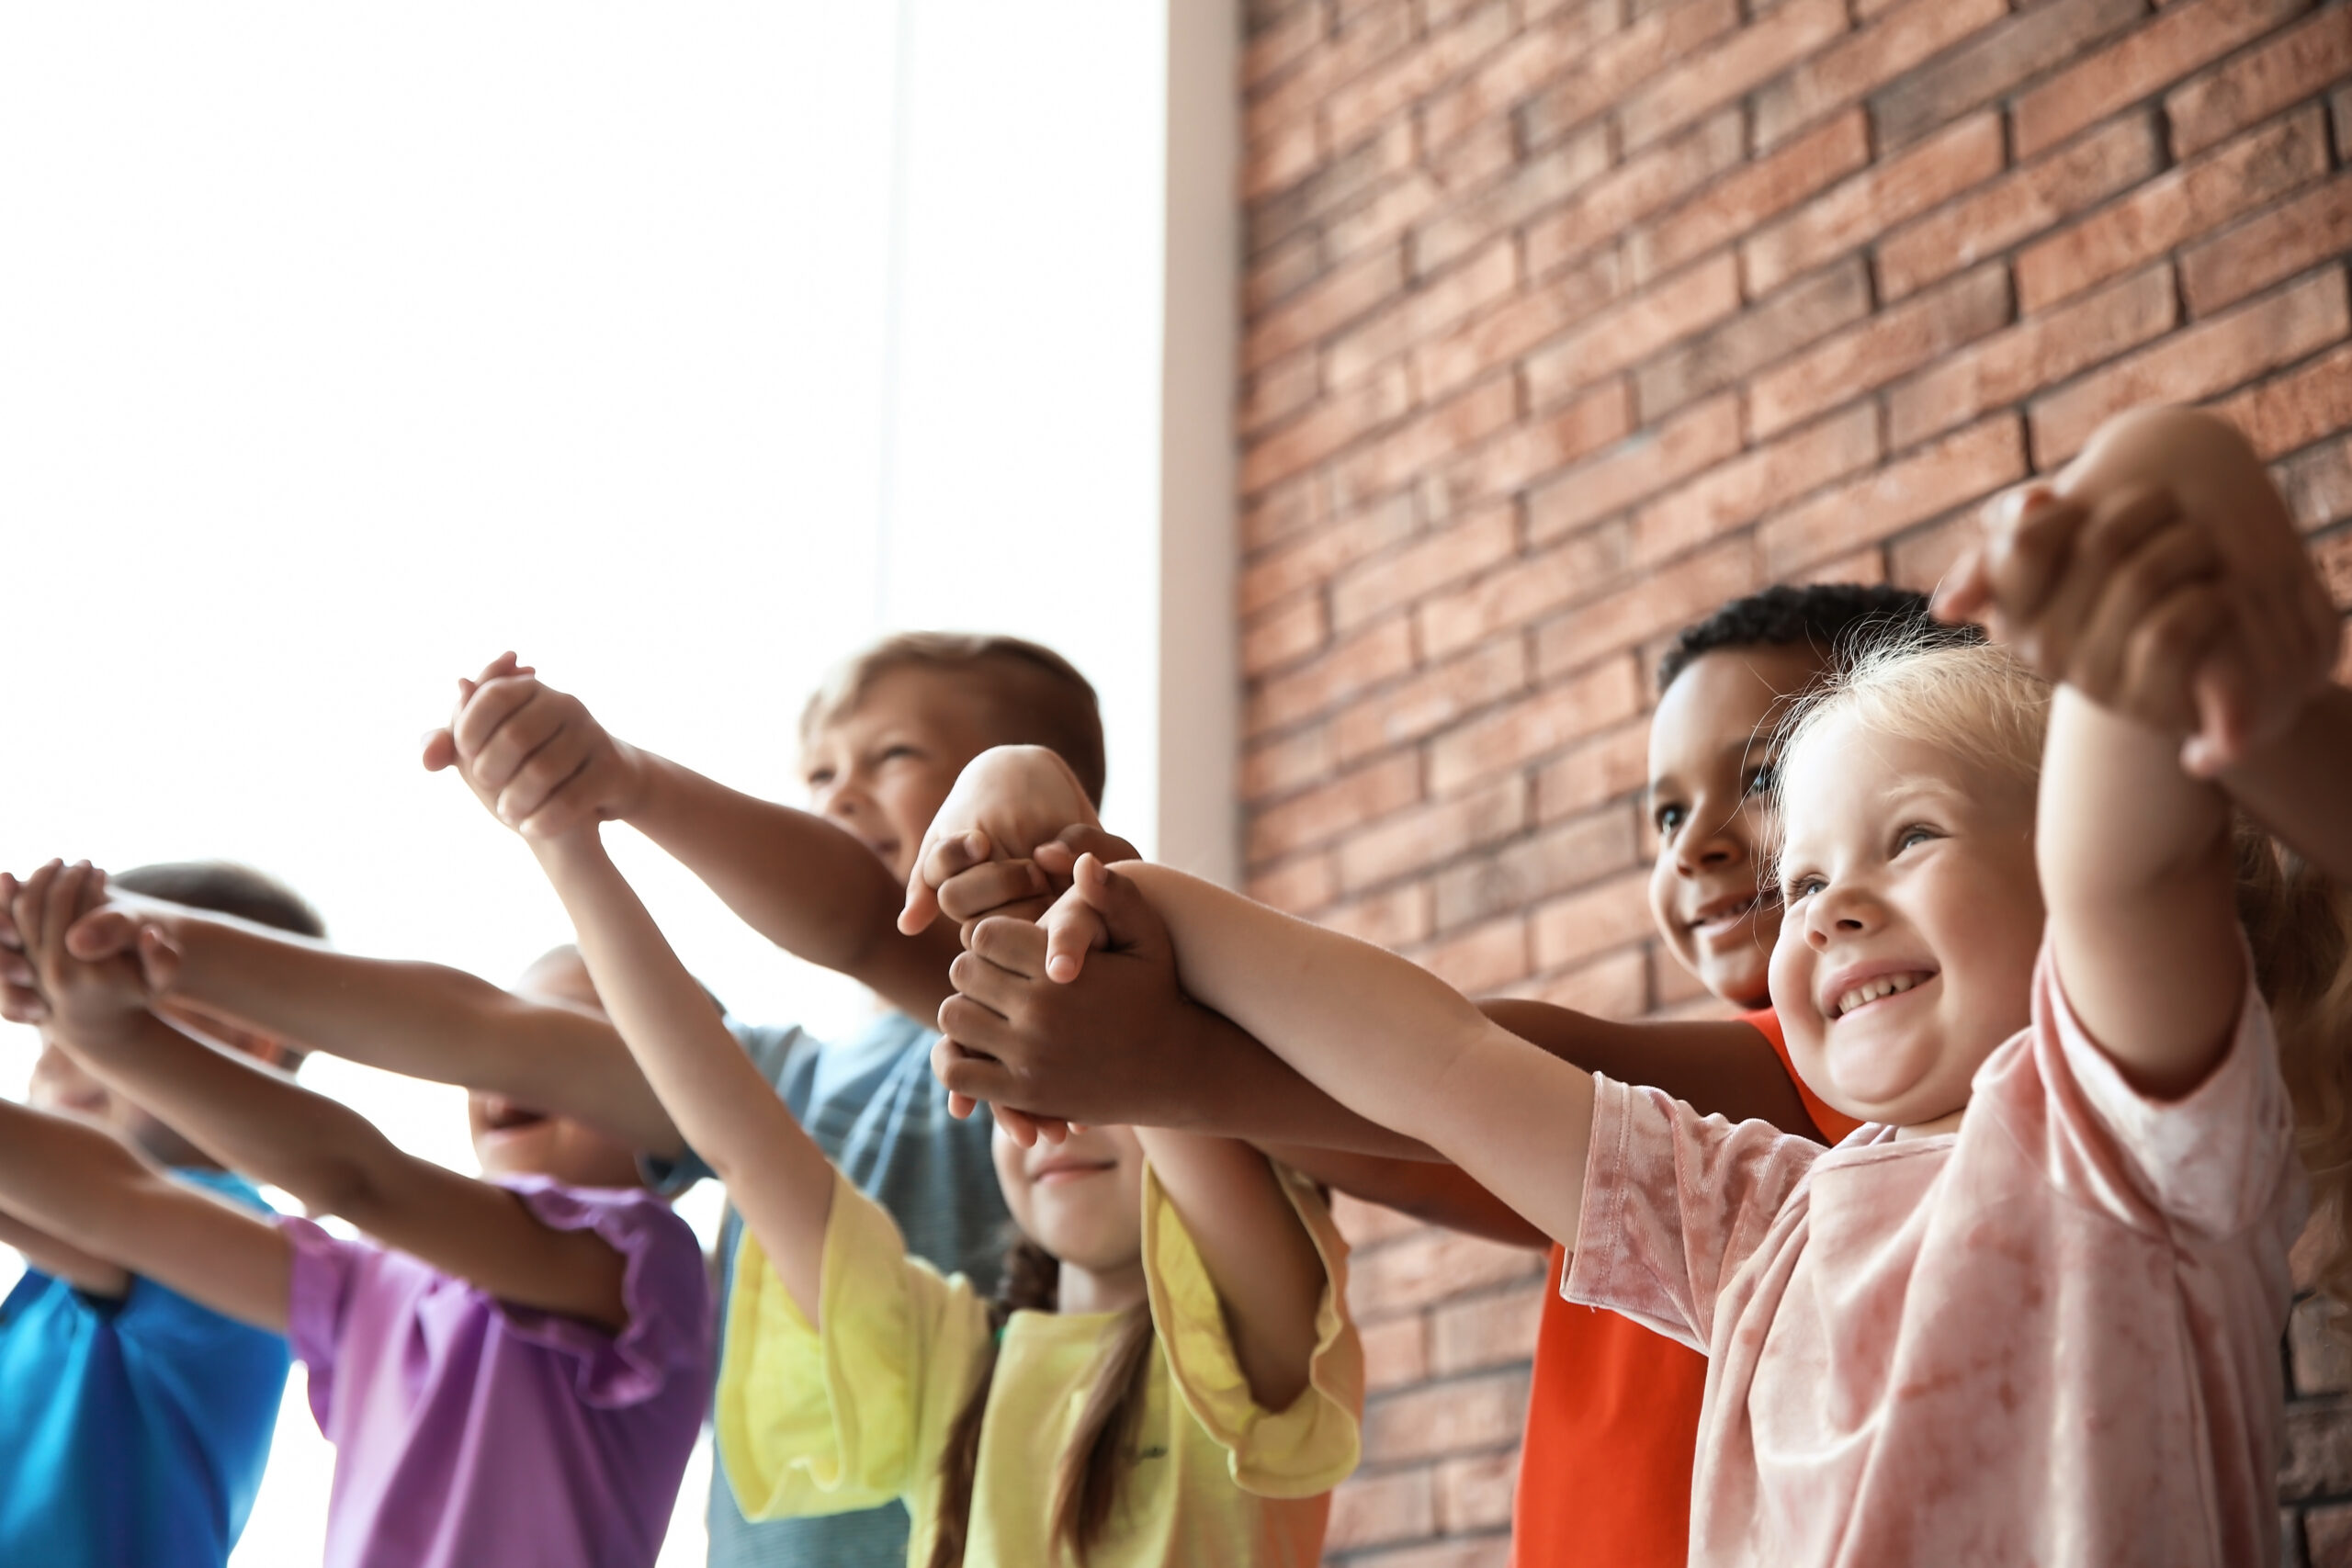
(775, 1174)
(53, 1256)
(798, 880)
(2295, 785)
(1240, 1089)
(1431, 1191)
(423, 1021)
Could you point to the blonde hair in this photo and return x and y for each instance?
(1036, 697)
(1983, 704)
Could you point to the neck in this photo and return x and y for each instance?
(1948, 1122)
(1104, 1290)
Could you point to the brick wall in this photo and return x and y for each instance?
(1566, 322)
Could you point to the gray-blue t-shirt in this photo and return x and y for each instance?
(876, 1110)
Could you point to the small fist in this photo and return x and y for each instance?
(83, 999)
(535, 756)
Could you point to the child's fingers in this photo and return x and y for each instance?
(2175, 557)
(1964, 590)
(61, 907)
(9, 888)
(529, 729)
(438, 750)
(1015, 948)
(492, 705)
(159, 961)
(940, 859)
(545, 777)
(2029, 538)
(984, 889)
(2107, 538)
(101, 934)
(1072, 930)
(32, 904)
(1018, 1125)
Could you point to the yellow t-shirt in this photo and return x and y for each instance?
(812, 1423)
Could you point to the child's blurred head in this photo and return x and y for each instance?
(1912, 906)
(225, 889)
(511, 1139)
(1080, 1200)
(1724, 688)
(882, 740)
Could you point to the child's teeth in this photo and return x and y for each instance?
(1871, 990)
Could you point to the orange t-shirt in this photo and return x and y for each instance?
(1612, 1421)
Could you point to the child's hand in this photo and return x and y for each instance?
(85, 999)
(534, 755)
(1007, 802)
(971, 887)
(1082, 920)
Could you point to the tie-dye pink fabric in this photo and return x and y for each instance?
(2050, 1338)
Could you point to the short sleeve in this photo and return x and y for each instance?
(1299, 1452)
(665, 1288)
(1674, 1202)
(771, 1050)
(2209, 1161)
(325, 1273)
(855, 1415)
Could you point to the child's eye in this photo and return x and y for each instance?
(820, 778)
(1913, 835)
(1670, 817)
(1761, 780)
(1799, 887)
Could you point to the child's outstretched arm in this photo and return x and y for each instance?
(540, 761)
(61, 1178)
(775, 1174)
(2140, 882)
(259, 1121)
(1383, 1036)
(423, 1021)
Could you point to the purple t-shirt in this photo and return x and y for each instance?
(467, 1432)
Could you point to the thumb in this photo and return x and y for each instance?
(2221, 721)
(1965, 589)
(1126, 915)
(439, 750)
(159, 961)
(102, 934)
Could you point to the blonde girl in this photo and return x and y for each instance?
(1170, 1377)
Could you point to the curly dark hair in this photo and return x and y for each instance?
(1837, 620)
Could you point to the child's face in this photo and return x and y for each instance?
(1908, 867)
(60, 1084)
(514, 1140)
(1080, 1200)
(1710, 889)
(882, 770)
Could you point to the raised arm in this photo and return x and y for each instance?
(1386, 1038)
(61, 1178)
(2140, 882)
(260, 1123)
(541, 762)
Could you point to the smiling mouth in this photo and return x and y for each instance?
(500, 1117)
(1879, 990)
(1725, 917)
(1067, 1173)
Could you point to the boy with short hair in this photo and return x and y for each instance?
(134, 1423)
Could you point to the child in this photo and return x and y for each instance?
(134, 1422)
(881, 743)
(1188, 1377)
(520, 1383)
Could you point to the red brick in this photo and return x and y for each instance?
(1395, 917)
(1873, 201)
(1602, 769)
(1369, 589)
(1482, 960)
(1298, 887)
(1274, 274)
(1544, 54)
(1409, 76)
(1541, 446)
(1283, 512)
(1541, 311)
(2212, 356)
(1552, 718)
(1739, 491)
(1450, 1418)
(1278, 392)
(1600, 78)
(1329, 303)
(1432, 834)
(2339, 103)
(1677, 989)
(1430, 1265)
(1308, 559)
(1644, 184)
(1408, 451)
(1321, 815)
(1544, 179)
(1817, 304)
(1740, 202)
(1339, 420)
(1431, 307)
(1617, 336)
(2327, 1532)
(2291, 412)
(2298, 63)
(1332, 678)
(1865, 61)
(1955, 470)
(1488, 1331)
(1287, 762)
(1474, 1493)
(1516, 594)
(2313, 227)
(1635, 467)
(1670, 596)
(2178, 40)
(1517, 873)
(1278, 47)
(2040, 352)
(1989, 64)
(1378, 1509)
(1919, 559)
(1283, 634)
(1396, 1352)
(1331, 186)
(1381, 218)
(1279, 159)
(1491, 670)
(2318, 484)
(1775, 40)
(1614, 986)
(1610, 915)
(2020, 205)
(2333, 556)
(1348, 53)
(2184, 202)
(1889, 345)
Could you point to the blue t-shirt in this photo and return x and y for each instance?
(133, 1433)
(876, 1110)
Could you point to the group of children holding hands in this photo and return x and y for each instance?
(1966, 1241)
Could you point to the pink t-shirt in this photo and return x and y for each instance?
(2052, 1337)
